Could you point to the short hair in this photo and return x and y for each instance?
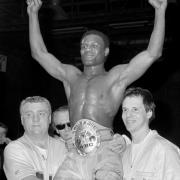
(147, 97)
(4, 126)
(59, 109)
(98, 33)
(35, 99)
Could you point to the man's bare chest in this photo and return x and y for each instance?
(90, 89)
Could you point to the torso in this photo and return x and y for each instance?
(97, 99)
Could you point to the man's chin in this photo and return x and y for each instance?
(88, 60)
(67, 138)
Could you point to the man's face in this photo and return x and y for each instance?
(134, 115)
(35, 118)
(93, 51)
(62, 124)
(2, 135)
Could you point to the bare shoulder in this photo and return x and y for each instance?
(72, 68)
(118, 70)
(72, 71)
(67, 73)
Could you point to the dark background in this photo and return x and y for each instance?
(128, 25)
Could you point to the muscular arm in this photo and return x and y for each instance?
(140, 63)
(39, 51)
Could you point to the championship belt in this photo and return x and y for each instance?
(86, 136)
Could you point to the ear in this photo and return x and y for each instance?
(149, 114)
(22, 120)
(49, 119)
(106, 51)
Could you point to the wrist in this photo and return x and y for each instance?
(33, 14)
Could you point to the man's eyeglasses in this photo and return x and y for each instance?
(62, 126)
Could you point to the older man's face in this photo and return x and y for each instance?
(35, 118)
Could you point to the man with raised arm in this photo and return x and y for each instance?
(94, 95)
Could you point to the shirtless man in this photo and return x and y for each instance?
(94, 95)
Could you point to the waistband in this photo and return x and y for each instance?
(105, 134)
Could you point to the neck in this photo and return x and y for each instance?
(41, 141)
(139, 136)
(91, 71)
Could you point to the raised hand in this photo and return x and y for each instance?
(158, 4)
(33, 6)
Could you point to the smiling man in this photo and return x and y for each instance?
(35, 155)
(149, 156)
(94, 94)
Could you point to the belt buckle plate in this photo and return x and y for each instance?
(86, 137)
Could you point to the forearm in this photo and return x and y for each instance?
(36, 41)
(157, 37)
